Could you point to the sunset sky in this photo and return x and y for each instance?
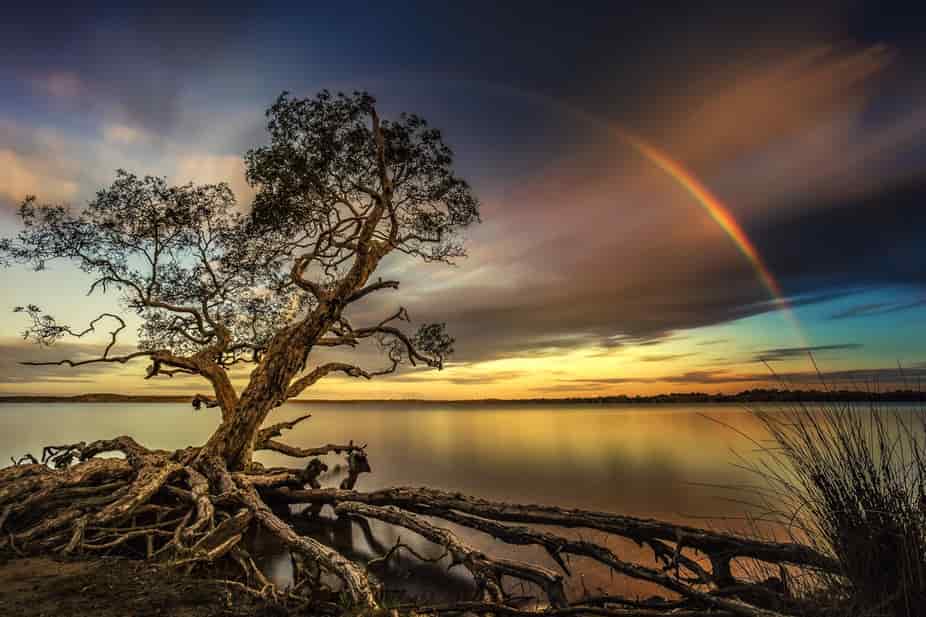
(672, 201)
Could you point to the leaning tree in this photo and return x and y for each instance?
(214, 285)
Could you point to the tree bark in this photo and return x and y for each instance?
(233, 441)
(285, 357)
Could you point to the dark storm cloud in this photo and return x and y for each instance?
(873, 239)
(144, 58)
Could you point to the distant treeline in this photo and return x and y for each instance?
(747, 396)
(96, 398)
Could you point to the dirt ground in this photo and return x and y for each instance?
(41, 587)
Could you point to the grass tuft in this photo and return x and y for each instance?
(850, 479)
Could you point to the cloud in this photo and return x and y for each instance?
(877, 308)
(213, 168)
(765, 99)
(817, 243)
(863, 378)
(22, 175)
(669, 281)
(786, 353)
(121, 134)
(600, 243)
(456, 378)
(124, 61)
(567, 388)
(59, 84)
(666, 357)
(689, 377)
(14, 352)
(585, 244)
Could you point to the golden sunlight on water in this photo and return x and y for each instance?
(647, 461)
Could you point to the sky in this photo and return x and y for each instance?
(673, 199)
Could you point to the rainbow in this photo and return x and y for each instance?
(702, 195)
(721, 215)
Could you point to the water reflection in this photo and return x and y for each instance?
(637, 460)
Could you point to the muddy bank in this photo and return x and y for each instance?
(41, 587)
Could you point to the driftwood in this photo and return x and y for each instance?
(172, 507)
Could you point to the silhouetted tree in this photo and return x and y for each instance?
(338, 189)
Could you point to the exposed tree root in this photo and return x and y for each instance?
(487, 572)
(361, 589)
(187, 512)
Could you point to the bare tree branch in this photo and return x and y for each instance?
(72, 363)
(298, 386)
(371, 288)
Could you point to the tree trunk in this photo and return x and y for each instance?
(285, 357)
(233, 440)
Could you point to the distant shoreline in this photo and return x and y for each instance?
(683, 398)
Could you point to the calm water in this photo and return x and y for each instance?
(633, 459)
(650, 461)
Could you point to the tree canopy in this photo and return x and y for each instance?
(213, 282)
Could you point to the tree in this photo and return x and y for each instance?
(337, 190)
(214, 285)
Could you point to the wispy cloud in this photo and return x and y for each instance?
(787, 353)
(456, 378)
(666, 357)
(877, 308)
(716, 341)
(862, 378)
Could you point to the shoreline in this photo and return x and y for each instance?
(114, 587)
(684, 398)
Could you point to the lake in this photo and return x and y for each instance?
(666, 462)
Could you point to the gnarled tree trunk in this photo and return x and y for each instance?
(233, 440)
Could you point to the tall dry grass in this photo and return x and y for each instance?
(850, 479)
